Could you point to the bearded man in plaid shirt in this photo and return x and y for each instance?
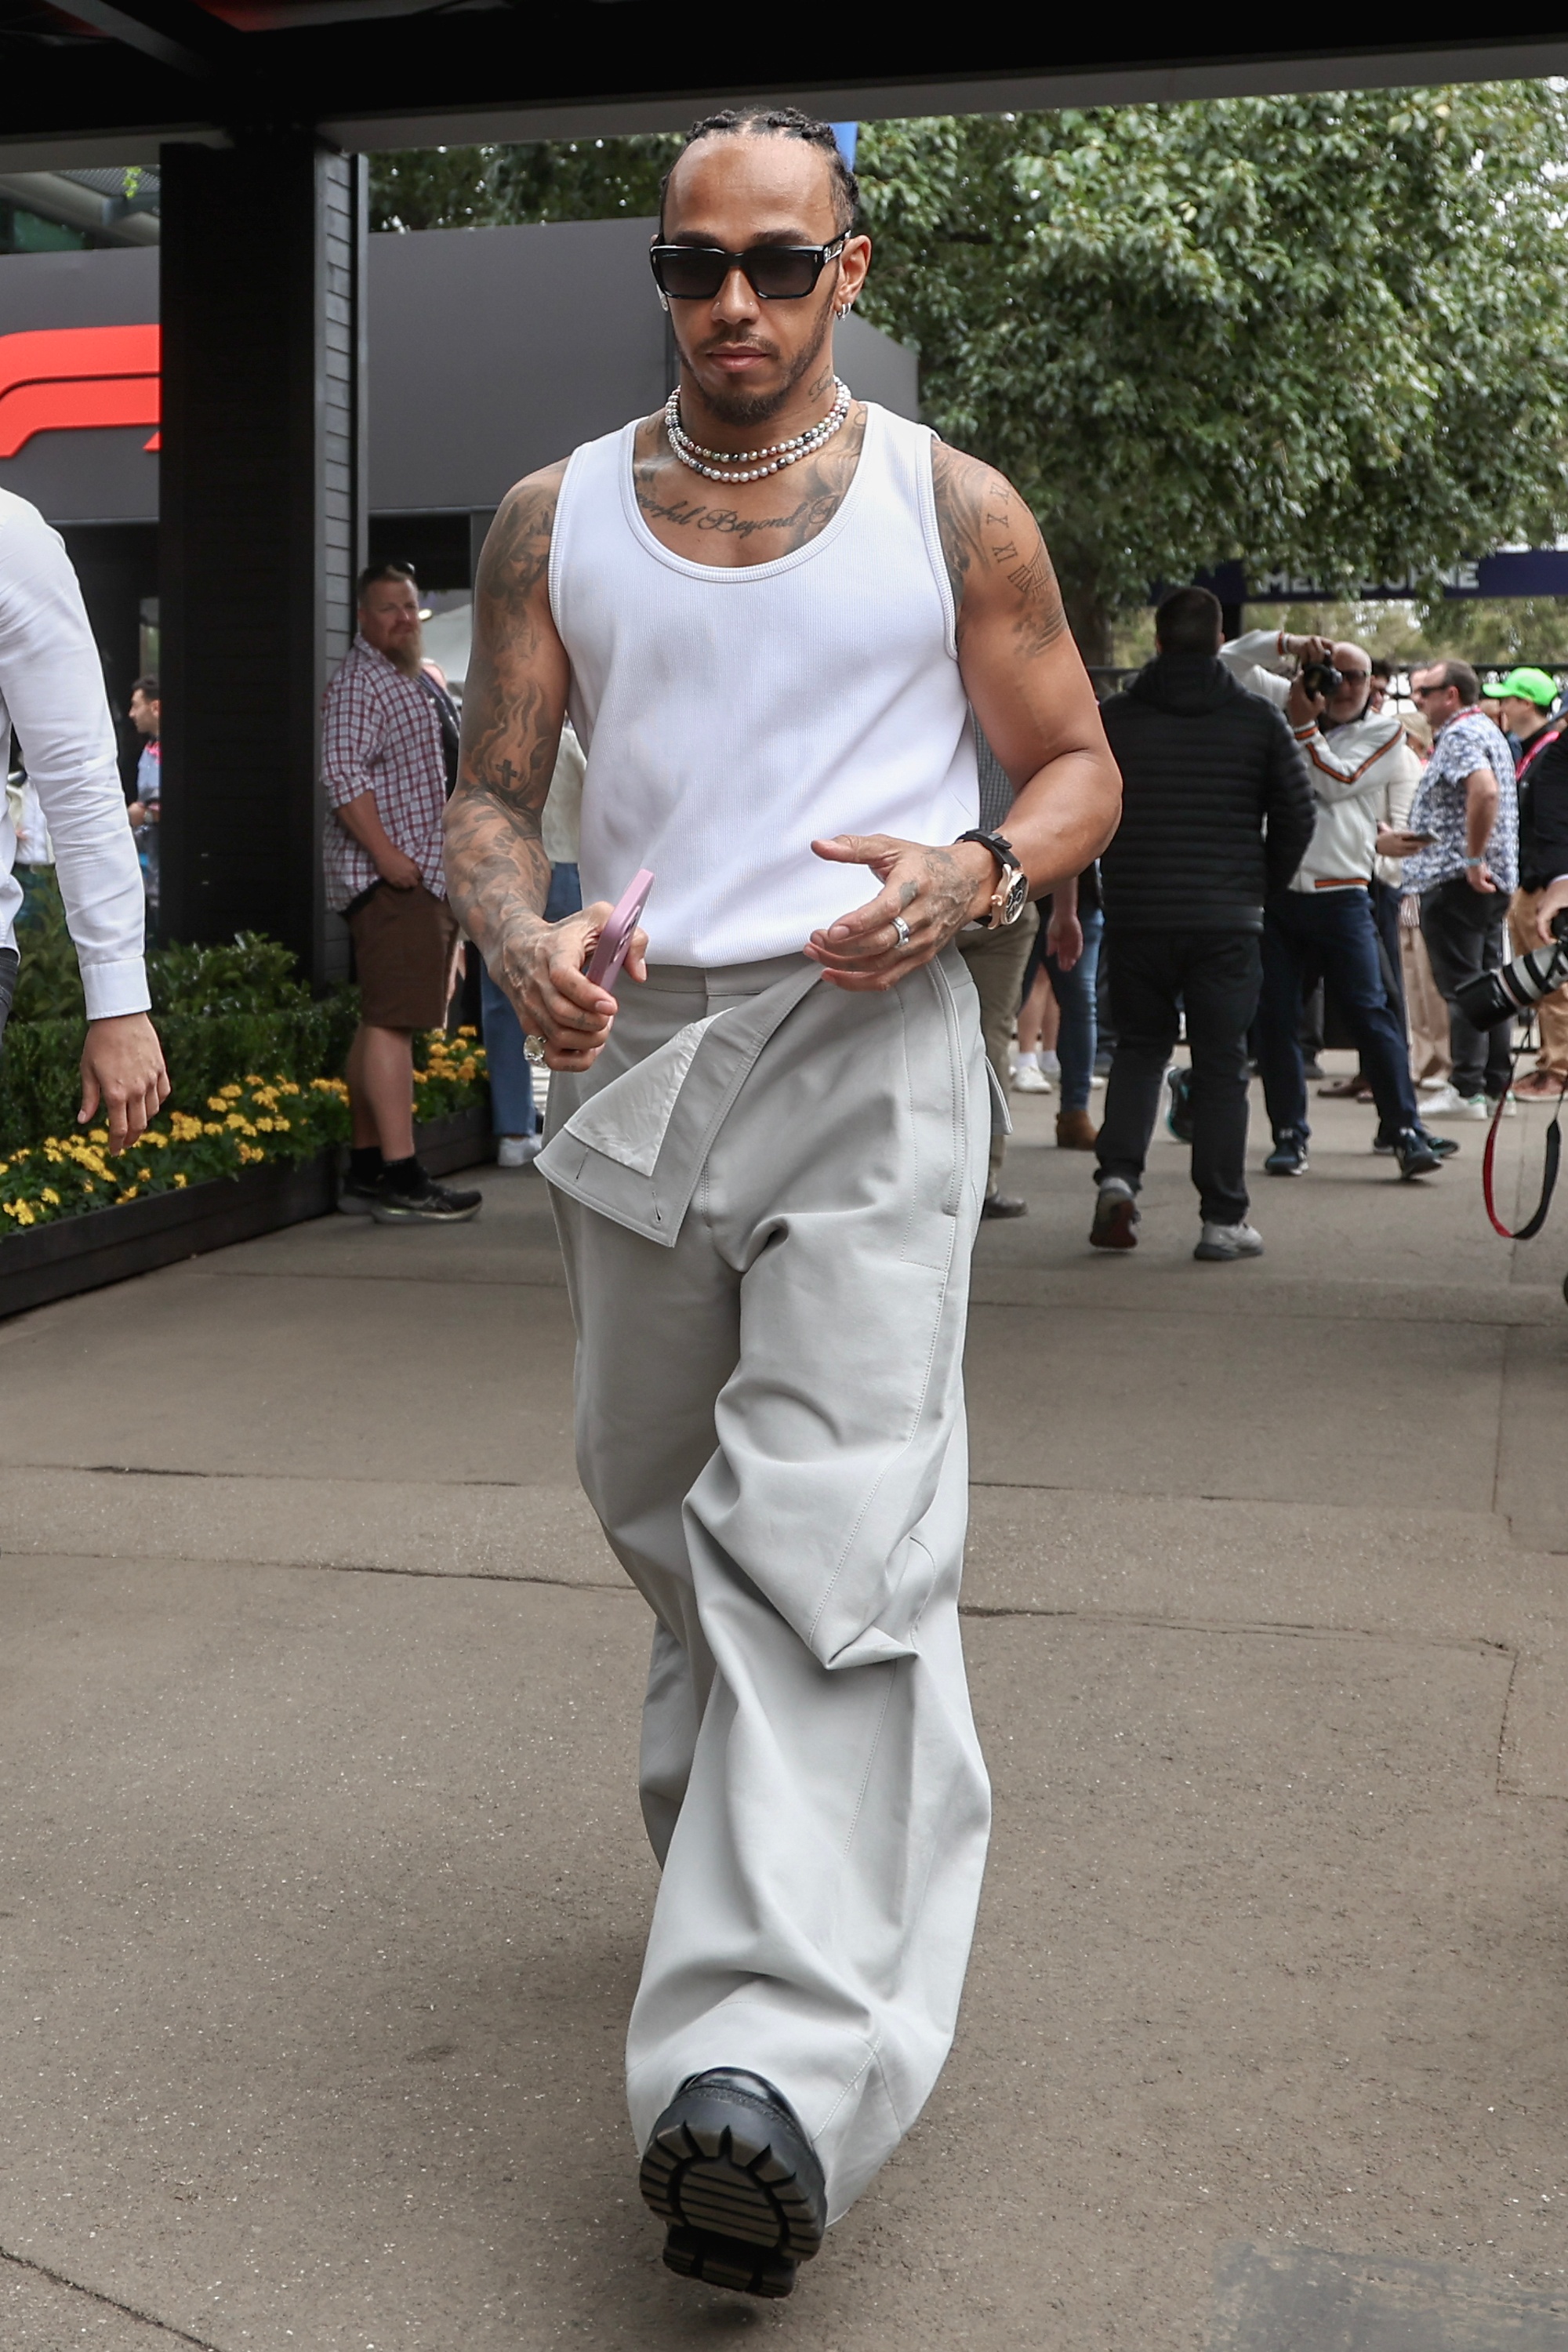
(386, 727)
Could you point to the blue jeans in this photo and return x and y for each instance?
(513, 1111)
(1077, 1001)
(1077, 1036)
(1330, 931)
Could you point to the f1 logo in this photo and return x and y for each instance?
(69, 379)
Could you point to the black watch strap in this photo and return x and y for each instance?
(1001, 848)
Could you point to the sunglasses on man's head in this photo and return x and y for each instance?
(775, 273)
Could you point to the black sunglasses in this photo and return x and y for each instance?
(775, 273)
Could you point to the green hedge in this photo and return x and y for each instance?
(40, 1089)
(222, 1013)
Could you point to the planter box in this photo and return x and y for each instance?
(107, 1244)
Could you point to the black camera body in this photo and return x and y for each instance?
(1322, 677)
(1496, 996)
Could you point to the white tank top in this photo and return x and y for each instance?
(732, 716)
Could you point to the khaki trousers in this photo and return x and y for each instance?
(1551, 1012)
(996, 961)
(770, 1425)
(1426, 1009)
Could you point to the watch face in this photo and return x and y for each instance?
(1017, 898)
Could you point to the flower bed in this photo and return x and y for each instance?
(251, 1123)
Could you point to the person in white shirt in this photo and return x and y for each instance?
(1322, 923)
(51, 693)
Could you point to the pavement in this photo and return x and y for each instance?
(322, 1887)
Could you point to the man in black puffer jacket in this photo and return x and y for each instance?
(1216, 812)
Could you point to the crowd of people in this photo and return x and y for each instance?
(1292, 833)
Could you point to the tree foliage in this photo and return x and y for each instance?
(1323, 332)
(488, 187)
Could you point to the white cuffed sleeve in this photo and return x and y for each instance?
(1256, 661)
(51, 688)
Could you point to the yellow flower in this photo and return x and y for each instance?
(231, 1093)
(213, 1127)
(131, 1192)
(52, 1197)
(22, 1212)
(180, 1180)
(253, 1078)
(216, 1102)
(97, 1135)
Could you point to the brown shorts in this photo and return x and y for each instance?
(403, 957)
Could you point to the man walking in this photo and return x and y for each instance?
(385, 766)
(1321, 922)
(1541, 777)
(1461, 853)
(1216, 815)
(770, 607)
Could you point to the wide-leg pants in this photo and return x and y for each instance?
(770, 1425)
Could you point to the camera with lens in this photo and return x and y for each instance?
(1494, 996)
(1322, 677)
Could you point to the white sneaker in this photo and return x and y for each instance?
(1431, 1085)
(518, 1150)
(1222, 1242)
(1447, 1104)
(1029, 1079)
(1050, 1062)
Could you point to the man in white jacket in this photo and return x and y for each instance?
(1323, 922)
(51, 692)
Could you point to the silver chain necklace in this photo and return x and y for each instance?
(777, 455)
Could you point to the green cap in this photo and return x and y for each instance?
(1528, 684)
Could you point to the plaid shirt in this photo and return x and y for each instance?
(380, 734)
(1467, 742)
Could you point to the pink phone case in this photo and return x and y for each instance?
(616, 939)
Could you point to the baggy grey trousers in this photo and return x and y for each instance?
(770, 1425)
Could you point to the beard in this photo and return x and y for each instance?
(409, 653)
(749, 408)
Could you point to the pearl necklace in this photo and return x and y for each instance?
(778, 453)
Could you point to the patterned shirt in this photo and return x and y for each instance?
(1468, 743)
(381, 733)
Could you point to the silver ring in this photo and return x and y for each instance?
(536, 1048)
(903, 930)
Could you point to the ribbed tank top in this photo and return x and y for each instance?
(732, 716)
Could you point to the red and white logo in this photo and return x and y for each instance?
(69, 379)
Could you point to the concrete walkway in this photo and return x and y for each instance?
(322, 1887)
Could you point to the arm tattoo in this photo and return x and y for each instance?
(497, 876)
(993, 549)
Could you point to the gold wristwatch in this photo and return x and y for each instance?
(1011, 895)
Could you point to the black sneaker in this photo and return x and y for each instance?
(1179, 1110)
(732, 2173)
(1414, 1153)
(356, 1200)
(401, 1199)
(1288, 1157)
(1444, 1146)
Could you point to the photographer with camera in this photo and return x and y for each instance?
(1322, 922)
(1462, 853)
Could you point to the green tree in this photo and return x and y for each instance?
(486, 187)
(1323, 332)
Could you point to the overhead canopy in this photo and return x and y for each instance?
(105, 81)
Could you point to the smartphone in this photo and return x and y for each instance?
(616, 939)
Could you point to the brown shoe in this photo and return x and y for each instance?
(1076, 1131)
(1539, 1086)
